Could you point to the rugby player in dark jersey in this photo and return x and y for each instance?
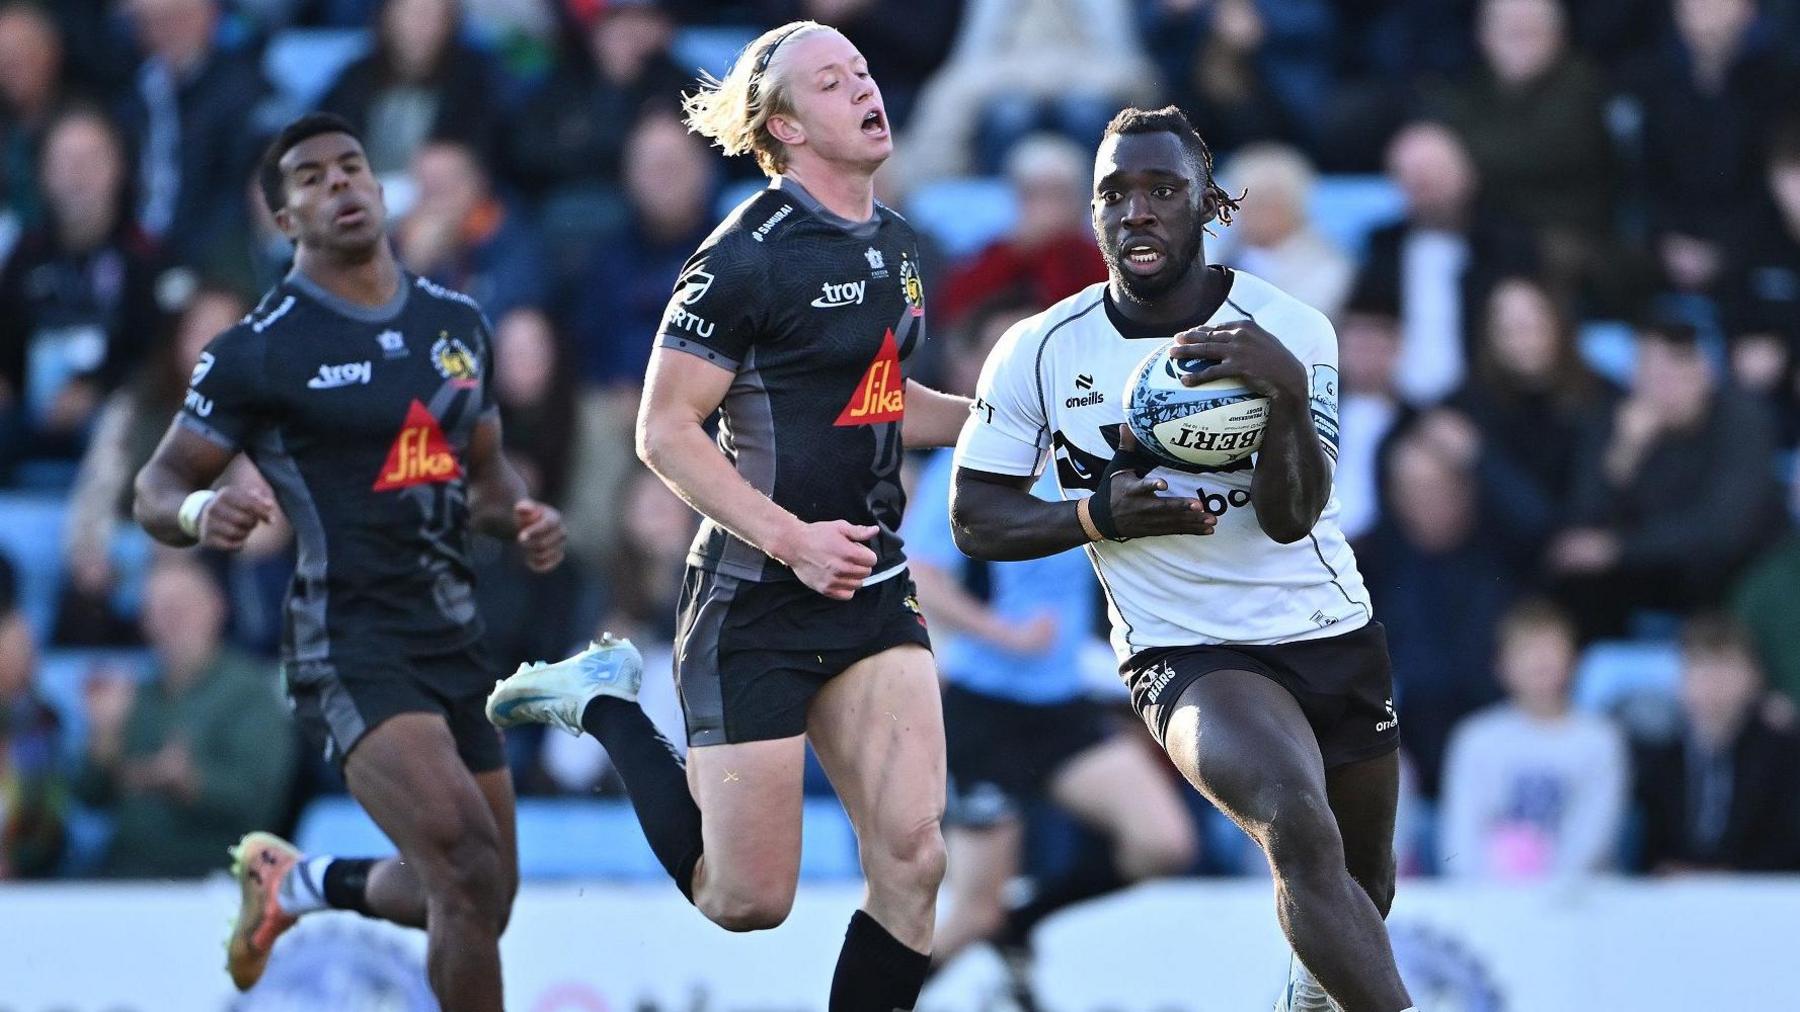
(796, 321)
(362, 394)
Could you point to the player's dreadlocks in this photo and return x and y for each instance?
(1169, 119)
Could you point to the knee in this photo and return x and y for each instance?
(1375, 874)
(464, 875)
(1301, 838)
(753, 909)
(910, 859)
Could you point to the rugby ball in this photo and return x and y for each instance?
(1213, 425)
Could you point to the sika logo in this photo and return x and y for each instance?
(420, 454)
(881, 396)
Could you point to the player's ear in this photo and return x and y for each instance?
(1209, 205)
(284, 220)
(786, 129)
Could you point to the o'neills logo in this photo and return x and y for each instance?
(420, 454)
(881, 396)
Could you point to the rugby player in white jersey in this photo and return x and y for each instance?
(1242, 626)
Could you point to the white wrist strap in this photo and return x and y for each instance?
(191, 508)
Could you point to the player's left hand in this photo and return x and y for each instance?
(1245, 350)
(541, 534)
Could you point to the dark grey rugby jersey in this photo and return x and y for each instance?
(818, 317)
(360, 419)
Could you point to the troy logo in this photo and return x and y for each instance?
(420, 454)
(881, 396)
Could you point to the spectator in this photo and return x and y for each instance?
(1764, 603)
(1721, 794)
(1532, 788)
(1442, 257)
(191, 118)
(130, 425)
(1672, 493)
(193, 760)
(1439, 587)
(1245, 70)
(420, 84)
(575, 132)
(994, 89)
(1370, 410)
(78, 298)
(1762, 285)
(909, 39)
(30, 86)
(460, 234)
(1532, 116)
(1050, 253)
(31, 789)
(1707, 100)
(1271, 233)
(536, 391)
(669, 181)
(1522, 414)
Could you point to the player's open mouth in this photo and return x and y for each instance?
(874, 123)
(353, 215)
(1141, 257)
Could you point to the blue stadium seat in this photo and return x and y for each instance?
(63, 676)
(964, 215)
(561, 839)
(31, 536)
(1345, 209)
(303, 63)
(1613, 671)
(710, 48)
(1608, 348)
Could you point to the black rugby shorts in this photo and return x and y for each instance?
(749, 657)
(339, 701)
(1344, 685)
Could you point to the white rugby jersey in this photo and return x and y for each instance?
(1054, 387)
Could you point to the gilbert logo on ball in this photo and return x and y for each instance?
(1213, 425)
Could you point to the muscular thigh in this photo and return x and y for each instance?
(407, 775)
(878, 729)
(496, 787)
(750, 799)
(1243, 741)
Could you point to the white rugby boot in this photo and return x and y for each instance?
(1303, 993)
(557, 693)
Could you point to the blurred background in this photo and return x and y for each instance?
(1560, 243)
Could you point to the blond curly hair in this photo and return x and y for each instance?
(733, 112)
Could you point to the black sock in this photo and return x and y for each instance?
(346, 885)
(875, 973)
(657, 781)
(1093, 875)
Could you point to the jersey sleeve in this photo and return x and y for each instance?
(714, 311)
(1009, 433)
(226, 398)
(1322, 383)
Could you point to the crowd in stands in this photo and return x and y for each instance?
(1560, 242)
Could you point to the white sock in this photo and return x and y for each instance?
(303, 887)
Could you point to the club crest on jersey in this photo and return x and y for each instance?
(881, 396)
(393, 344)
(877, 262)
(454, 361)
(420, 454)
(911, 286)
